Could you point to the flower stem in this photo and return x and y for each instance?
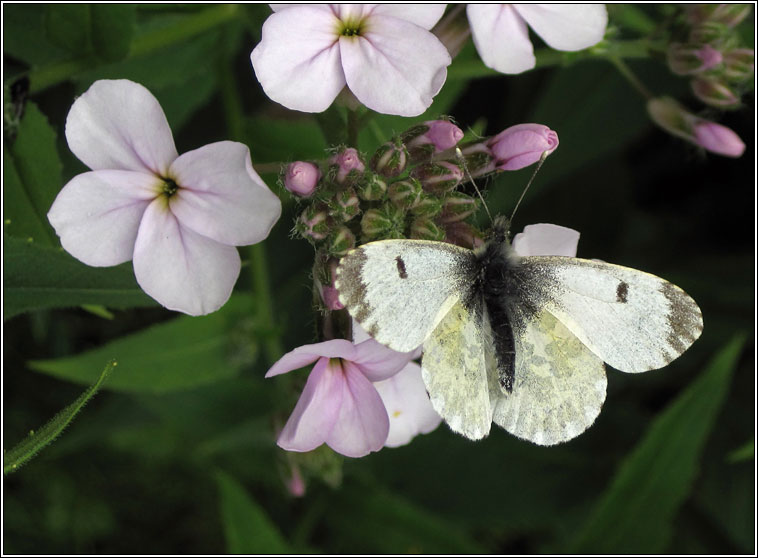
(627, 72)
(142, 45)
(353, 126)
(234, 117)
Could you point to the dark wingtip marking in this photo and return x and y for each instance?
(621, 291)
(401, 268)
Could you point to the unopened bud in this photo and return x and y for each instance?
(345, 205)
(739, 64)
(329, 293)
(341, 241)
(390, 159)
(373, 188)
(382, 222)
(714, 93)
(692, 59)
(348, 165)
(718, 139)
(464, 235)
(439, 177)
(424, 228)
(428, 206)
(670, 116)
(730, 14)
(522, 145)
(301, 178)
(457, 206)
(405, 193)
(712, 33)
(313, 223)
(431, 137)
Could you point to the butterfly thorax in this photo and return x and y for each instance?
(497, 283)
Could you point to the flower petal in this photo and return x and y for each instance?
(179, 268)
(119, 124)
(317, 410)
(297, 61)
(221, 196)
(501, 37)
(566, 27)
(408, 406)
(97, 214)
(362, 425)
(302, 356)
(545, 239)
(423, 15)
(378, 362)
(394, 67)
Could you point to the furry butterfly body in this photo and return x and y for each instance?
(519, 341)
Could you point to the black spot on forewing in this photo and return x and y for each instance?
(621, 292)
(685, 319)
(401, 268)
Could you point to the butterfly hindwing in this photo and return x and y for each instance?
(454, 368)
(399, 290)
(632, 320)
(559, 384)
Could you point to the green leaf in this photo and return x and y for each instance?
(29, 447)
(179, 354)
(636, 513)
(284, 140)
(743, 453)
(39, 277)
(24, 35)
(33, 175)
(102, 30)
(247, 528)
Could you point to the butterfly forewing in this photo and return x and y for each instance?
(399, 290)
(630, 319)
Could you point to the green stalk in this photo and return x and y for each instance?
(145, 44)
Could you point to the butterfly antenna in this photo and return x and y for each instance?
(467, 174)
(539, 165)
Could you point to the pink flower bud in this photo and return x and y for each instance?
(521, 145)
(438, 178)
(429, 206)
(348, 163)
(710, 32)
(329, 293)
(431, 137)
(457, 206)
(714, 93)
(670, 116)
(302, 178)
(405, 193)
(390, 159)
(423, 228)
(313, 224)
(464, 235)
(718, 139)
(345, 205)
(382, 222)
(296, 484)
(692, 59)
(373, 188)
(341, 241)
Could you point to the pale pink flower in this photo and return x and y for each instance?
(501, 35)
(384, 53)
(339, 405)
(178, 217)
(545, 239)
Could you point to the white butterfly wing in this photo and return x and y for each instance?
(399, 290)
(559, 384)
(630, 319)
(454, 368)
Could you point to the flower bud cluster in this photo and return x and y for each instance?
(409, 188)
(710, 53)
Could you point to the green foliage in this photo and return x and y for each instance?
(636, 512)
(247, 528)
(102, 30)
(31, 178)
(37, 277)
(37, 440)
(182, 353)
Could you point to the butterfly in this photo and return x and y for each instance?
(518, 341)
